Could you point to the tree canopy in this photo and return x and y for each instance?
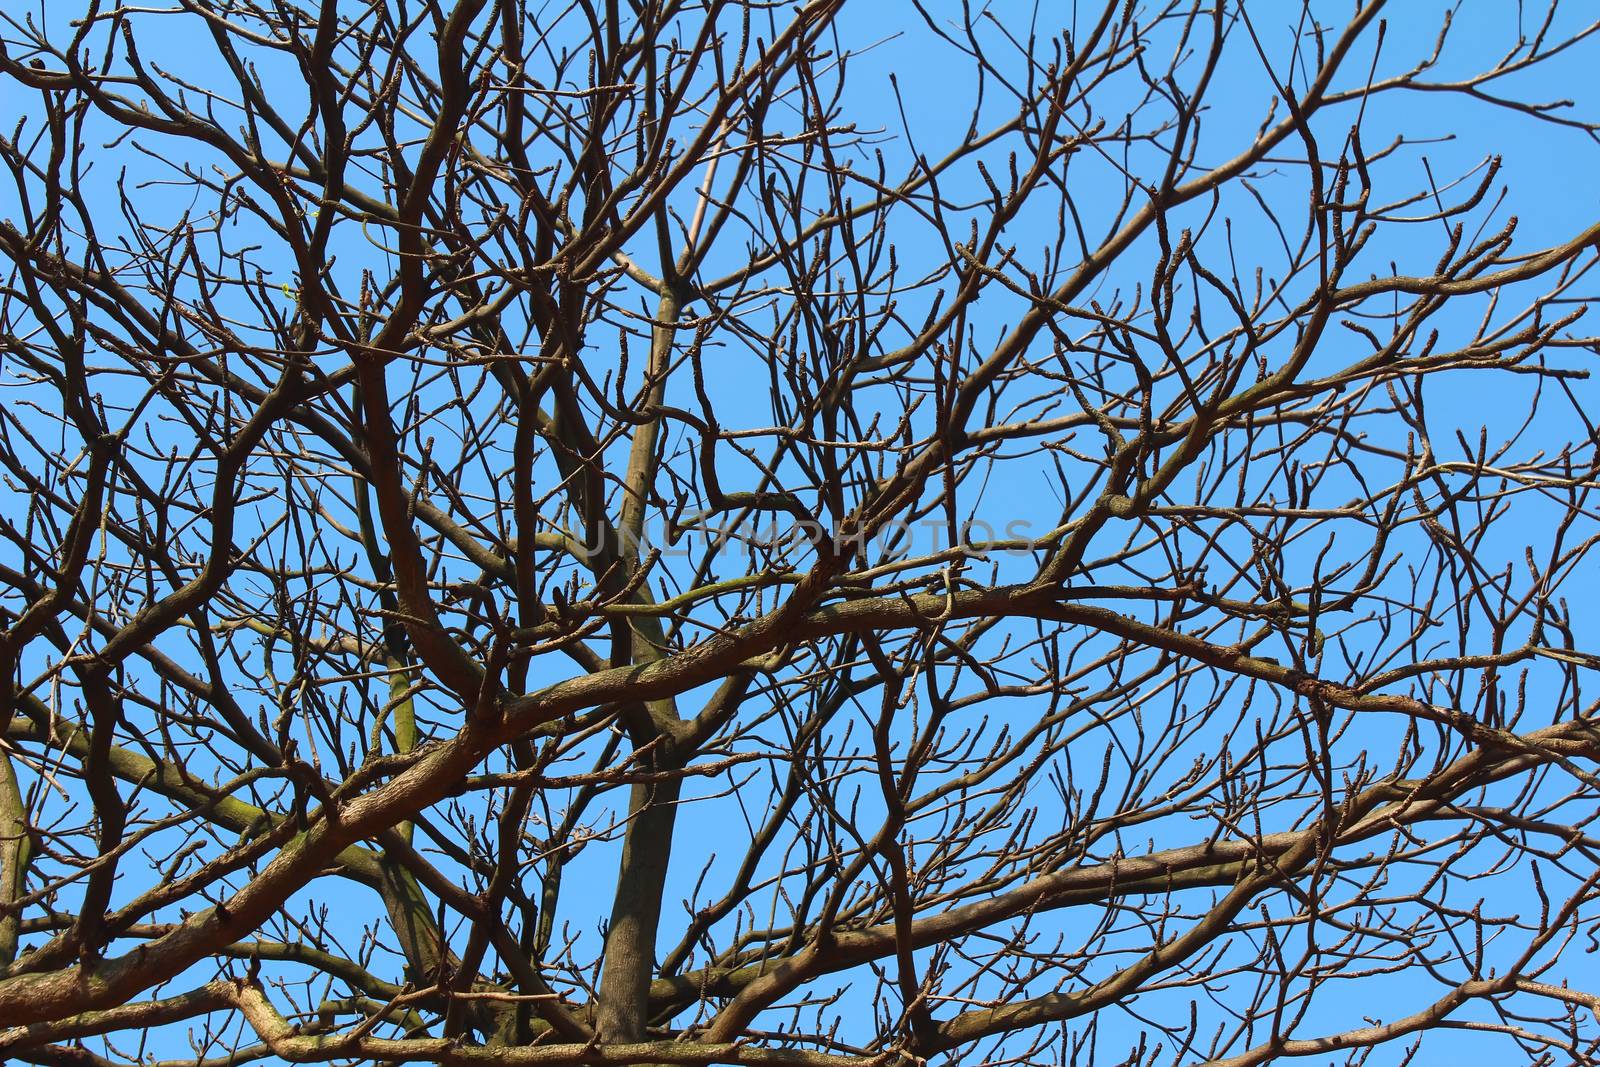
(825, 535)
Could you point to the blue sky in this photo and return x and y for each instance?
(907, 83)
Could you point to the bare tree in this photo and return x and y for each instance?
(577, 533)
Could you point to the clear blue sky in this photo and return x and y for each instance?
(1546, 173)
